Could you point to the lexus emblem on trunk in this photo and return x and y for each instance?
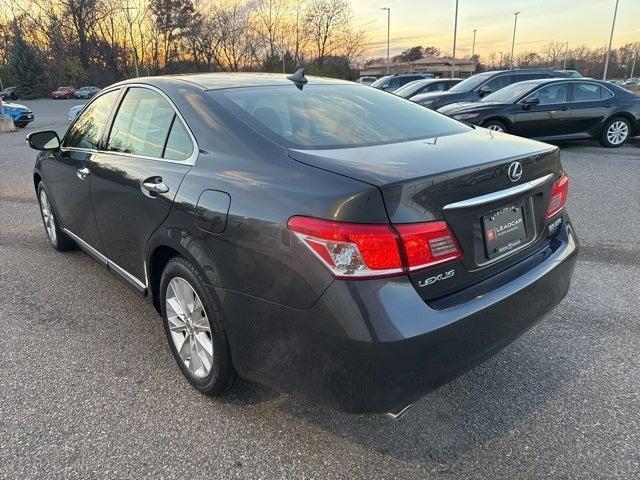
(514, 171)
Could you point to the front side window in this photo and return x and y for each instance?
(436, 87)
(586, 92)
(471, 83)
(394, 83)
(511, 93)
(87, 130)
(142, 124)
(552, 94)
(497, 83)
(334, 116)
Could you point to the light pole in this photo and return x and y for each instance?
(455, 34)
(473, 48)
(388, 33)
(613, 26)
(513, 41)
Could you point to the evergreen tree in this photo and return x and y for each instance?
(25, 69)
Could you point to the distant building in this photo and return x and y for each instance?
(440, 67)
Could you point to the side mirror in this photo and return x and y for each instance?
(484, 90)
(528, 102)
(45, 140)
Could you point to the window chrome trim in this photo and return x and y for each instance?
(79, 149)
(110, 264)
(576, 81)
(500, 195)
(571, 81)
(101, 93)
(188, 161)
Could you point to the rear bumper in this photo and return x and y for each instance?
(376, 346)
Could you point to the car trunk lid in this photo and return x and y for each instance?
(464, 180)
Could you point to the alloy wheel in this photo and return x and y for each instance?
(495, 128)
(617, 132)
(47, 216)
(189, 327)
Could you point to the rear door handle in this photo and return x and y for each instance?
(155, 185)
(82, 173)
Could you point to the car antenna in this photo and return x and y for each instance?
(298, 78)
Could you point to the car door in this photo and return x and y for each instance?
(590, 105)
(148, 151)
(66, 174)
(550, 117)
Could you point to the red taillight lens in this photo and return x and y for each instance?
(428, 244)
(559, 194)
(357, 250)
(350, 249)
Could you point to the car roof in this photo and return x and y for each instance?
(215, 81)
(542, 81)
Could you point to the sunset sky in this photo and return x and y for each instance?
(430, 23)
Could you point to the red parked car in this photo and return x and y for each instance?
(63, 92)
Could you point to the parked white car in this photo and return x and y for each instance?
(74, 111)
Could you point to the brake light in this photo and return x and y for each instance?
(352, 250)
(559, 194)
(441, 245)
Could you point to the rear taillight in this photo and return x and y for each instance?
(559, 193)
(428, 244)
(361, 250)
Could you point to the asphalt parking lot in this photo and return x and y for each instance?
(89, 389)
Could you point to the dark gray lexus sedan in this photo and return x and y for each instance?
(319, 236)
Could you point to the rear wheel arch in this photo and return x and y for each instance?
(160, 251)
(626, 115)
(157, 261)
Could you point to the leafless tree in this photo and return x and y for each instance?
(325, 20)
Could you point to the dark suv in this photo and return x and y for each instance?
(481, 84)
(391, 83)
(319, 236)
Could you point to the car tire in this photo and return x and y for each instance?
(191, 329)
(56, 236)
(21, 125)
(615, 133)
(495, 126)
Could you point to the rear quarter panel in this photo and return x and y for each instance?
(255, 254)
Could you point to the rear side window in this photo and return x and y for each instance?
(586, 92)
(87, 130)
(334, 116)
(142, 124)
(523, 77)
(179, 144)
(405, 80)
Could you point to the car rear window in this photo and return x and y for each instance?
(334, 116)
